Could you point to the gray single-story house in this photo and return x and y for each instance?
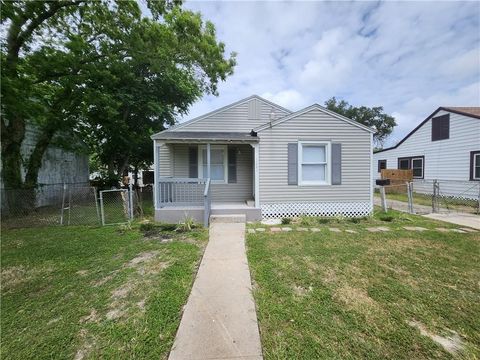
(257, 158)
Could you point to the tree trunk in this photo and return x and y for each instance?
(35, 160)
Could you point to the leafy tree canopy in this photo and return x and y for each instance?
(100, 71)
(373, 117)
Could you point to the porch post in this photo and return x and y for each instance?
(256, 165)
(156, 175)
(208, 161)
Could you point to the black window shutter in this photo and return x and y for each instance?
(193, 162)
(336, 164)
(293, 164)
(232, 165)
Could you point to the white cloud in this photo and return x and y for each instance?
(409, 57)
(290, 99)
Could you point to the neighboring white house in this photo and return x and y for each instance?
(264, 161)
(444, 147)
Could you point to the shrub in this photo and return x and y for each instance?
(323, 220)
(188, 224)
(286, 221)
(387, 218)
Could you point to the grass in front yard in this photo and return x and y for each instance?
(374, 295)
(84, 293)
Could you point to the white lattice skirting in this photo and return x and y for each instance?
(347, 209)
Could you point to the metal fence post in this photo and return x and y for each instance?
(384, 198)
(130, 200)
(101, 209)
(435, 196)
(96, 204)
(63, 203)
(409, 196)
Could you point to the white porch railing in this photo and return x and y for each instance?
(185, 192)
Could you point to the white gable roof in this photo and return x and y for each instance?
(310, 108)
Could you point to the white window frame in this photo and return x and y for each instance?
(423, 167)
(328, 162)
(475, 156)
(225, 162)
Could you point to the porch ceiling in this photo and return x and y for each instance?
(205, 136)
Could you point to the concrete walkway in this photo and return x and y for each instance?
(463, 219)
(219, 320)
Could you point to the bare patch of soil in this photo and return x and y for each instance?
(452, 344)
(356, 299)
(301, 291)
(92, 317)
(87, 344)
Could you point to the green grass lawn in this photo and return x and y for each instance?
(86, 293)
(367, 295)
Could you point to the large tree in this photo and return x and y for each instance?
(100, 70)
(373, 117)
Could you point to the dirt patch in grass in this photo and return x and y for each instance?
(301, 291)
(356, 298)
(140, 258)
(92, 317)
(452, 344)
(86, 345)
(16, 275)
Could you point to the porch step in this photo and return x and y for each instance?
(228, 218)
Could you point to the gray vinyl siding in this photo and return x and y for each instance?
(314, 126)
(242, 118)
(242, 190)
(164, 158)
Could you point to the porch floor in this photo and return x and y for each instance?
(175, 213)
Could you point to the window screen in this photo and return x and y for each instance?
(314, 163)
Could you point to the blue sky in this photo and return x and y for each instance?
(409, 57)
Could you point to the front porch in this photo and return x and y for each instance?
(173, 214)
(202, 174)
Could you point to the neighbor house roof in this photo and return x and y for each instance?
(310, 108)
(473, 112)
(465, 110)
(194, 136)
(229, 106)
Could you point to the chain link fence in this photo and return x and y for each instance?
(449, 195)
(434, 196)
(72, 204)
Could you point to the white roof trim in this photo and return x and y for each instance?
(310, 108)
(214, 112)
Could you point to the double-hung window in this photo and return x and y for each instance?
(313, 164)
(417, 167)
(218, 163)
(414, 163)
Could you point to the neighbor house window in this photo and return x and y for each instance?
(414, 163)
(417, 167)
(313, 163)
(404, 164)
(382, 165)
(218, 163)
(441, 127)
(475, 165)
